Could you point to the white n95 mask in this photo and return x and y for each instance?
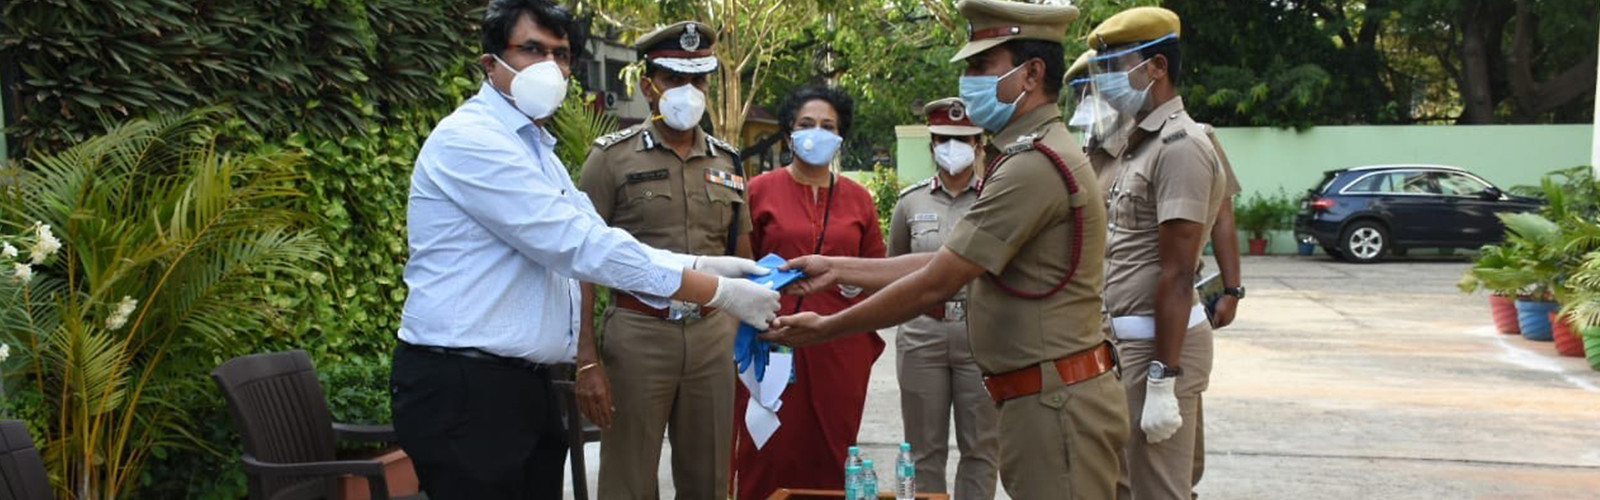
(954, 156)
(682, 106)
(537, 90)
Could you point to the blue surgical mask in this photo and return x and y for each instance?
(815, 146)
(1116, 89)
(983, 102)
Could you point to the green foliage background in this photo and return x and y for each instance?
(353, 85)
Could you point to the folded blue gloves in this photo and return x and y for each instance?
(749, 351)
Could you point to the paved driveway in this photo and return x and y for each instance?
(1367, 381)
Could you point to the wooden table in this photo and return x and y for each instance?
(788, 494)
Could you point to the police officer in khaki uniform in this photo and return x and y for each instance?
(1034, 242)
(933, 360)
(1164, 188)
(675, 187)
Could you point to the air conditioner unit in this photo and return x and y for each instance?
(611, 99)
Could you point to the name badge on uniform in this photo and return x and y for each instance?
(725, 178)
(925, 217)
(653, 175)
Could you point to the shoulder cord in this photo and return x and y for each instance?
(1077, 224)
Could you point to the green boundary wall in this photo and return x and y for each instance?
(1269, 159)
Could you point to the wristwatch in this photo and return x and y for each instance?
(1159, 371)
(1236, 291)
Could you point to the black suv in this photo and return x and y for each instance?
(1361, 214)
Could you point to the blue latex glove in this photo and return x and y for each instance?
(749, 351)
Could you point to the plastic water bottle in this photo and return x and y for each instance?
(869, 481)
(905, 474)
(851, 479)
(852, 483)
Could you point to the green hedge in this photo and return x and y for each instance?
(354, 85)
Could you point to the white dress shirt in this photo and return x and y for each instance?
(498, 234)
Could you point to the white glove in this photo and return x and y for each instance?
(754, 304)
(728, 267)
(1161, 418)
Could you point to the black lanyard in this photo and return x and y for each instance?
(827, 213)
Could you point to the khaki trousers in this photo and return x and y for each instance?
(674, 378)
(937, 377)
(1065, 442)
(1164, 470)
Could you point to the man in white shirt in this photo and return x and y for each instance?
(498, 234)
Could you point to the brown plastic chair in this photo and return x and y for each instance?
(22, 475)
(577, 435)
(288, 432)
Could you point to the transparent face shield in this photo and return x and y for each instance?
(1112, 77)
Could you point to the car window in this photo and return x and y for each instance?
(1375, 183)
(1399, 182)
(1458, 185)
(1416, 183)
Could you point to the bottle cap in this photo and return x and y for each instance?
(855, 450)
(867, 464)
(905, 446)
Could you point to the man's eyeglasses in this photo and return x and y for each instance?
(539, 52)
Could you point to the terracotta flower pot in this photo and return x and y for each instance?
(1533, 317)
(1591, 346)
(397, 472)
(1258, 246)
(1504, 311)
(1567, 341)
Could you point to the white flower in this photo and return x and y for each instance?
(119, 317)
(8, 251)
(23, 272)
(5, 352)
(45, 245)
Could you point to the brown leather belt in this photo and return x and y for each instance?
(1080, 366)
(632, 303)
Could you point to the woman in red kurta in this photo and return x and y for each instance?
(822, 408)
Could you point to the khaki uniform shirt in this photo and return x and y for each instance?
(1222, 159)
(922, 221)
(1163, 169)
(1020, 230)
(685, 205)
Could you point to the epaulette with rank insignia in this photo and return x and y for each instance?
(1024, 144)
(719, 144)
(918, 185)
(1175, 137)
(611, 139)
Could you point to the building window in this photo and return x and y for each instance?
(614, 78)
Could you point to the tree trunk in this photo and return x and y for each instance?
(1481, 23)
(1530, 98)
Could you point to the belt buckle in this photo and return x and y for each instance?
(955, 310)
(680, 311)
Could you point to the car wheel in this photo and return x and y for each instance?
(1364, 242)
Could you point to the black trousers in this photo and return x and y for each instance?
(478, 429)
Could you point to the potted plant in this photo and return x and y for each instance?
(1308, 246)
(1490, 272)
(1531, 247)
(1261, 214)
(1583, 306)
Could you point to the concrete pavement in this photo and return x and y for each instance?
(1364, 381)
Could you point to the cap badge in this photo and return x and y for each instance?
(690, 39)
(957, 112)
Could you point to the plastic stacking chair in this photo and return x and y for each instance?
(289, 434)
(22, 475)
(577, 435)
